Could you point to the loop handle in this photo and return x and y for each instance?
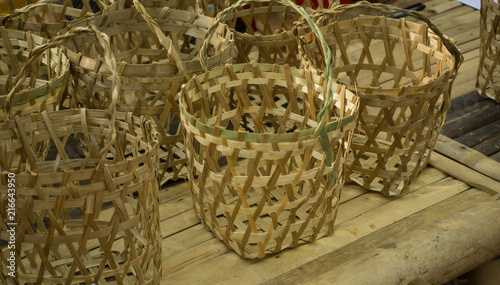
(320, 15)
(109, 60)
(165, 41)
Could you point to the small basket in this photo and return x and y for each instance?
(403, 72)
(48, 17)
(150, 79)
(274, 42)
(265, 147)
(488, 74)
(42, 88)
(81, 216)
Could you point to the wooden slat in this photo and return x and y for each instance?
(466, 111)
(480, 135)
(466, 156)
(451, 239)
(464, 173)
(381, 237)
(490, 146)
(473, 120)
(464, 101)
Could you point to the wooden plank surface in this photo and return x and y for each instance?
(361, 215)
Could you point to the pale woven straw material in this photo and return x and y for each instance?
(488, 74)
(41, 86)
(82, 215)
(148, 72)
(265, 147)
(403, 72)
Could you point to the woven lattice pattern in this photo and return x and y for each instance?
(175, 4)
(267, 35)
(488, 76)
(150, 81)
(48, 17)
(403, 73)
(83, 215)
(263, 182)
(42, 82)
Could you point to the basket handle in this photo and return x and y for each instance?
(165, 41)
(109, 60)
(447, 42)
(25, 9)
(321, 118)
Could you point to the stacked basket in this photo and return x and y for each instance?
(87, 215)
(150, 76)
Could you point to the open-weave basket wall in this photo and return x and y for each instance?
(45, 82)
(77, 222)
(48, 17)
(403, 73)
(488, 75)
(82, 215)
(263, 181)
(274, 42)
(150, 81)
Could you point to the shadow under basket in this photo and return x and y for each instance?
(260, 180)
(403, 73)
(82, 214)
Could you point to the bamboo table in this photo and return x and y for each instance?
(447, 225)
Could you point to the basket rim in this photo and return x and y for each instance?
(161, 69)
(270, 137)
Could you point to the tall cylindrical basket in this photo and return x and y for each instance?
(488, 74)
(75, 215)
(403, 72)
(266, 146)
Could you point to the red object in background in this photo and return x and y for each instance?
(345, 1)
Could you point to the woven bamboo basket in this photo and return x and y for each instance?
(488, 74)
(81, 216)
(48, 17)
(42, 88)
(403, 72)
(263, 32)
(150, 79)
(267, 144)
